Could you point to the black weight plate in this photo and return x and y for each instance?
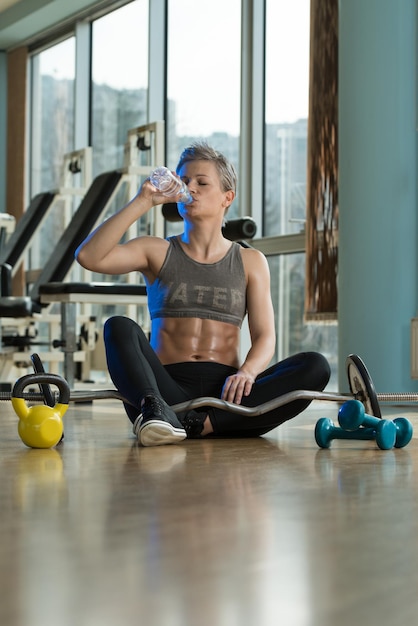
(361, 385)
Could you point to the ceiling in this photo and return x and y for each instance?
(21, 21)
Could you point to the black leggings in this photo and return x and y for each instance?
(136, 371)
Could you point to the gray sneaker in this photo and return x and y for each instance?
(157, 424)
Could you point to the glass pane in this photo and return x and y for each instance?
(203, 78)
(119, 81)
(286, 111)
(53, 73)
(293, 334)
(52, 136)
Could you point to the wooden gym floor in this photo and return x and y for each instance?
(101, 532)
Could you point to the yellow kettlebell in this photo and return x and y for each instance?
(40, 426)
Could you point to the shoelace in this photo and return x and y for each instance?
(153, 407)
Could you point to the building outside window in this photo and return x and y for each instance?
(203, 78)
(52, 123)
(119, 81)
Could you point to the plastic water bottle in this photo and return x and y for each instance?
(169, 185)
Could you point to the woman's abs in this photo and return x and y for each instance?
(177, 340)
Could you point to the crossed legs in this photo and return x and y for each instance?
(137, 372)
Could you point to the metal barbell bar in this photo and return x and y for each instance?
(361, 387)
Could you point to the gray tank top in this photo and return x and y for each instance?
(187, 288)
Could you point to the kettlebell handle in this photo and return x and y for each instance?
(52, 379)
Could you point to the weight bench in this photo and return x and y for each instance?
(13, 251)
(61, 259)
(7, 226)
(62, 255)
(68, 295)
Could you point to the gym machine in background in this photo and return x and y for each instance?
(144, 149)
(18, 315)
(74, 328)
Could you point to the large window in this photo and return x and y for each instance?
(209, 82)
(53, 75)
(119, 81)
(286, 114)
(203, 77)
(288, 293)
(52, 117)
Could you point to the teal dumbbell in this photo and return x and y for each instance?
(326, 432)
(352, 416)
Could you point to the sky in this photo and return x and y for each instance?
(203, 59)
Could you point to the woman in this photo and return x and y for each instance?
(200, 286)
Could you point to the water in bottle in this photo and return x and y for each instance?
(169, 185)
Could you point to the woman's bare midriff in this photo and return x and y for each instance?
(177, 340)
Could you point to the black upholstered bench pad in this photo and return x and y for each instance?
(81, 224)
(11, 306)
(26, 228)
(92, 288)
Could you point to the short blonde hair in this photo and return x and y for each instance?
(201, 151)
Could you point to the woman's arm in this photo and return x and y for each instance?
(102, 251)
(261, 325)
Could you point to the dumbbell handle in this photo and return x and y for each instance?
(326, 432)
(352, 416)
